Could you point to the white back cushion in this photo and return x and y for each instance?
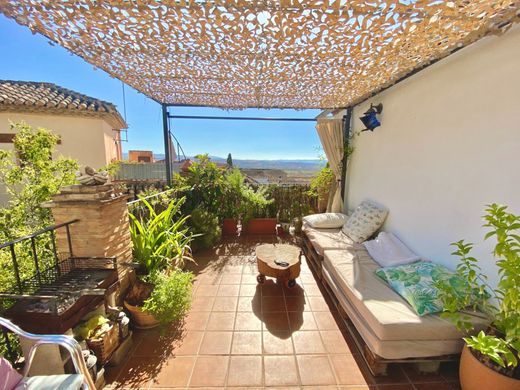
(388, 251)
(365, 221)
(326, 220)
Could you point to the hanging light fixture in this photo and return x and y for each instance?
(369, 118)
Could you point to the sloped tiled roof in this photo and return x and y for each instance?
(32, 96)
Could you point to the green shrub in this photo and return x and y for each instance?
(501, 304)
(171, 297)
(207, 228)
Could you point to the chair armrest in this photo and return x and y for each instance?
(66, 342)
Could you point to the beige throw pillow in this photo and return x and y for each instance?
(365, 221)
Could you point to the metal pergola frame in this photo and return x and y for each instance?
(166, 131)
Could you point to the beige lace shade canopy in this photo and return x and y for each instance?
(284, 54)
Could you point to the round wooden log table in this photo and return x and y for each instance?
(280, 261)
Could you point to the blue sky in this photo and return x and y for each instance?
(31, 58)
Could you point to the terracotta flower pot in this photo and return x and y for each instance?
(229, 227)
(476, 376)
(141, 319)
(261, 226)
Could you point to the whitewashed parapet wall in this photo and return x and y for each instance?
(449, 144)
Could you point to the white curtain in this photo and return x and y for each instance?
(330, 132)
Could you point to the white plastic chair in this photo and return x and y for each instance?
(80, 380)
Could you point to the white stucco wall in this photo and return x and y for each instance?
(449, 144)
(88, 140)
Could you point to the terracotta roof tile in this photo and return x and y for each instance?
(32, 96)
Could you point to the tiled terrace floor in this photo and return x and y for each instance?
(242, 335)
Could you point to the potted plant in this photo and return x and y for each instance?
(160, 249)
(253, 211)
(490, 359)
(232, 203)
(320, 187)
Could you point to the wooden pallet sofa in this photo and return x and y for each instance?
(385, 327)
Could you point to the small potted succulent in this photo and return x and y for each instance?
(490, 358)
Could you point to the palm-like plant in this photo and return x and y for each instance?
(161, 241)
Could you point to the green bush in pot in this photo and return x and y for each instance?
(170, 299)
(499, 346)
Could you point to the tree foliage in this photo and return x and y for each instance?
(31, 176)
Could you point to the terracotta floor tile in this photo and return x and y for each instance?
(249, 304)
(401, 387)
(302, 321)
(231, 279)
(210, 371)
(225, 304)
(433, 386)
(308, 279)
(308, 342)
(271, 289)
(200, 303)
(336, 341)
(416, 377)
(221, 321)
(278, 344)
(247, 321)
(348, 371)
(450, 371)
(273, 304)
(250, 278)
(296, 291)
(312, 290)
(196, 320)
(188, 343)
(137, 372)
(216, 343)
(275, 321)
(206, 290)
(247, 343)
(148, 344)
(315, 370)
(318, 304)
(249, 290)
(228, 290)
(325, 320)
(280, 371)
(296, 303)
(395, 374)
(208, 279)
(245, 371)
(176, 372)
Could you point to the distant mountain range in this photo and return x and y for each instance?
(299, 165)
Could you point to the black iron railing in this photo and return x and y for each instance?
(36, 258)
(30, 260)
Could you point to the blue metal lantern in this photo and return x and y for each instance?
(369, 118)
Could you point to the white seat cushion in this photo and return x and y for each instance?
(326, 220)
(324, 239)
(51, 382)
(387, 314)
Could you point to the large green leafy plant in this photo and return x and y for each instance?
(501, 304)
(161, 241)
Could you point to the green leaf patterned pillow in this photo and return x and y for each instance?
(415, 282)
